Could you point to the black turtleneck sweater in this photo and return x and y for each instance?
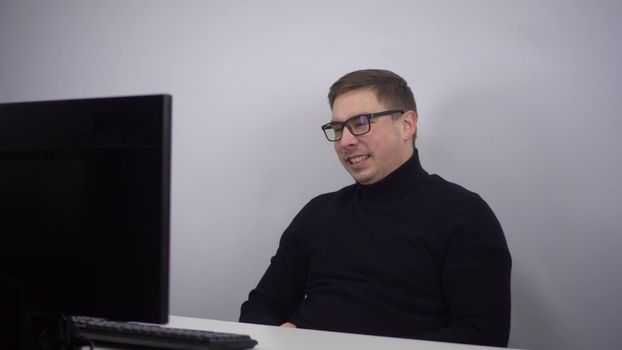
(410, 256)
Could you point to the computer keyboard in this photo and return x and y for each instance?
(129, 335)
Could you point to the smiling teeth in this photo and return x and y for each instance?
(357, 159)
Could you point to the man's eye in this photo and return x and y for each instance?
(359, 121)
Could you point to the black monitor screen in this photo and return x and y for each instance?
(84, 206)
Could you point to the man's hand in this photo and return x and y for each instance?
(288, 325)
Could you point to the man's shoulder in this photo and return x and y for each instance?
(327, 198)
(322, 206)
(441, 184)
(450, 192)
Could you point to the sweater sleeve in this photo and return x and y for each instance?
(281, 289)
(476, 279)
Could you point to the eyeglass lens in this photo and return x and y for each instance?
(357, 125)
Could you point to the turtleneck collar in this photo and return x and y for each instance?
(400, 182)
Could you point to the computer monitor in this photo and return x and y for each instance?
(84, 211)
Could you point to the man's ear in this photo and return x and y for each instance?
(409, 125)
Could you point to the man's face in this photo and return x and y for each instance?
(371, 157)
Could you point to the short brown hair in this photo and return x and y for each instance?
(391, 89)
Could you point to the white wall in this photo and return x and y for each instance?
(519, 101)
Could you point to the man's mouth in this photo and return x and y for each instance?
(357, 159)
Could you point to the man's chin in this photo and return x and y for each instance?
(362, 176)
(362, 179)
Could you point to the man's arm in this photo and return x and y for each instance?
(281, 289)
(476, 280)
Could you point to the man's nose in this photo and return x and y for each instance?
(347, 138)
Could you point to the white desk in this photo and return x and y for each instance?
(277, 338)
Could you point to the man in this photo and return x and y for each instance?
(400, 252)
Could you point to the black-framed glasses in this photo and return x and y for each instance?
(357, 125)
